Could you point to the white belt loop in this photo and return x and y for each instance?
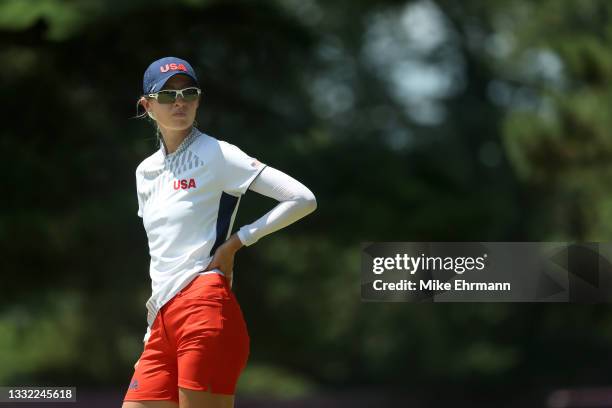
(216, 270)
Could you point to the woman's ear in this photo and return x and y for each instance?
(143, 102)
(147, 106)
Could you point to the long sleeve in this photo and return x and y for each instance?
(296, 201)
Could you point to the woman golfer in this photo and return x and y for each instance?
(197, 342)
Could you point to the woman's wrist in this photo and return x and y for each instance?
(234, 243)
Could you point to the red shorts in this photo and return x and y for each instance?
(199, 341)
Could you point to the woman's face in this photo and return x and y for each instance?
(178, 115)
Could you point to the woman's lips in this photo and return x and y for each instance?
(179, 114)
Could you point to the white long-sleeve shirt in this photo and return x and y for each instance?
(296, 201)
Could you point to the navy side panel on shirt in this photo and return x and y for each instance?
(227, 205)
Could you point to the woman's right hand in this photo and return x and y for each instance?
(223, 259)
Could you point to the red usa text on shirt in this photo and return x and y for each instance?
(184, 184)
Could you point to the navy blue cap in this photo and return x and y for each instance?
(162, 70)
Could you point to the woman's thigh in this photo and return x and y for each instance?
(211, 335)
(204, 399)
(150, 404)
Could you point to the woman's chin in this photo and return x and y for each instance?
(179, 123)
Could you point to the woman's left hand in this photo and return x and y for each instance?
(223, 259)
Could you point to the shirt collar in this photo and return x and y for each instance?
(184, 144)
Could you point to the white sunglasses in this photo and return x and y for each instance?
(169, 95)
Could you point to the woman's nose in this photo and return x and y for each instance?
(179, 100)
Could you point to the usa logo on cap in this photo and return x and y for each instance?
(172, 67)
(162, 70)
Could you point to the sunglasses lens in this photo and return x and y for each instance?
(190, 94)
(166, 96)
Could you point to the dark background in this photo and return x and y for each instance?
(434, 120)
